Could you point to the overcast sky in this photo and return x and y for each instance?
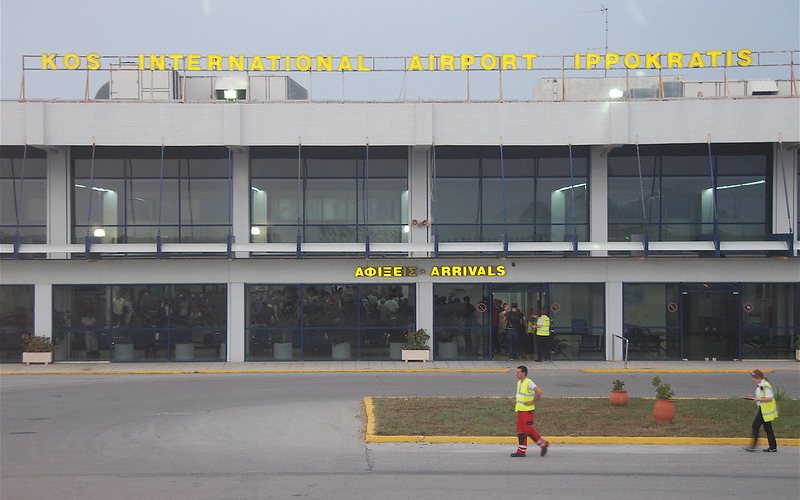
(388, 27)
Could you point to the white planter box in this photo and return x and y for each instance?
(448, 350)
(415, 355)
(37, 357)
(184, 352)
(395, 350)
(282, 350)
(123, 352)
(341, 350)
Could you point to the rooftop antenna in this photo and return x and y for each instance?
(604, 11)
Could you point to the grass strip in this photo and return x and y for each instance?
(471, 416)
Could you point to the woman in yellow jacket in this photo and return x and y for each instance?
(767, 411)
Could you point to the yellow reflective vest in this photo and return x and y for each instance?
(769, 410)
(543, 326)
(523, 396)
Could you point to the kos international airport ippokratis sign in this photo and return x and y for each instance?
(416, 62)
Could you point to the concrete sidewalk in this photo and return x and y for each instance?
(98, 368)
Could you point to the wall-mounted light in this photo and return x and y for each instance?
(255, 230)
(406, 229)
(424, 222)
(615, 94)
(574, 186)
(99, 232)
(414, 222)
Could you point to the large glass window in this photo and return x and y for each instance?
(652, 320)
(23, 194)
(577, 315)
(461, 321)
(533, 194)
(328, 321)
(329, 195)
(16, 320)
(132, 202)
(771, 319)
(140, 322)
(677, 198)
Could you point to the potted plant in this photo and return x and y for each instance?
(618, 395)
(416, 347)
(37, 349)
(664, 408)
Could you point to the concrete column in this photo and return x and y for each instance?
(43, 309)
(598, 197)
(58, 199)
(785, 192)
(419, 196)
(614, 320)
(236, 332)
(241, 197)
(425, 306)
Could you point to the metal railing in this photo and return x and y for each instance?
(431, 248)
(391, 79)
(624, 352)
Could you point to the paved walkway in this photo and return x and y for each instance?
(73, 368)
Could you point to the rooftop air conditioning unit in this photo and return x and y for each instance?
(644, 93)
(762, 87)
(230, 88)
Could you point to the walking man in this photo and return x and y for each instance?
(528, 394)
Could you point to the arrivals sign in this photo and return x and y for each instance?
(436, 271)
(416, 62)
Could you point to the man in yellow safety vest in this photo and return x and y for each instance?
(543, 348)
(528, 394)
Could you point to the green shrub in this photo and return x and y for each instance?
(663, 391)
(36, 343)
(417, 340)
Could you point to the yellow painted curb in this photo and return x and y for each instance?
(371, 437)
(666, 370)
(331, 370)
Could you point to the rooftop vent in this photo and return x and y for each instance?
(762, 87)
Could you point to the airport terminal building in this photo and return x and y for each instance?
(181, 217)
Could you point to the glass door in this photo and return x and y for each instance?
(710, 321)
(530, 298)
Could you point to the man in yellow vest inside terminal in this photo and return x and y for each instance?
(543, 349)
(528, 394)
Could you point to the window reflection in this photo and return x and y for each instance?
(16, 320)
(328, 321)
(534, 194)
(23, 194)
(676, 198)
(329, 195)
(140, 322)
(132, 204)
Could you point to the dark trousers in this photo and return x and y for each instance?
(512, 341)
(543, 350)
(757, 423)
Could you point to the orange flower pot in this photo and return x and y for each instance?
(664, 411)
(618, 398)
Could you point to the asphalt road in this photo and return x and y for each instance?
(300, 436)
